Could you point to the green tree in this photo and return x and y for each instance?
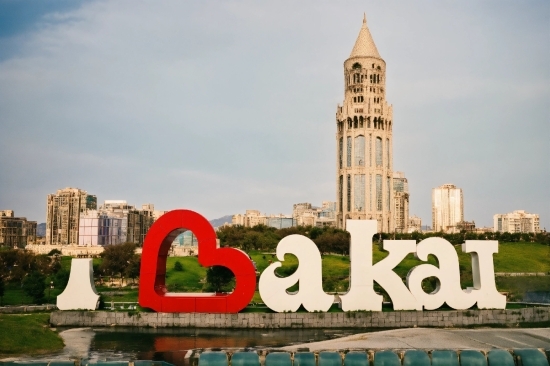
(219, 279)
(116, 258)
(61, 278)
(2, 289)
(134, 264)
(34, 285)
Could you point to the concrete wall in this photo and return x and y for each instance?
(395, 319)
(27, 308)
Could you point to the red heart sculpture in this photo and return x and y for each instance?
(152, 287)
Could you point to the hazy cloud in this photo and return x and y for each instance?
(224, 106)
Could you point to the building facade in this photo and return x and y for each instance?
(16, 232)
(415, 224)
(401, 202)
(63, 215)
(364, 123)
(518, 221)
(447, 208)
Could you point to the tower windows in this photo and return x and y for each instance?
(359, 151)
(348, 161)
(371, 183)
(341, 193)
(341, 151)
(378, 192)
(359, 192)
(378, 148)
(388, 196)
(370, 151)
(349, 193)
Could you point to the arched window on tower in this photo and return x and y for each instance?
(355, 122)
(349, 193)
(348, 161)
(370, 151)
(359, 151)
(388, 195)
(378, 147)
(361, 122)
(341, 193)
(359, 192)
(341, 152)
(375, 122)
(378, 192)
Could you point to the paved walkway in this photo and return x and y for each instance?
(428, 338)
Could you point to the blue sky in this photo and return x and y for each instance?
(225, 106)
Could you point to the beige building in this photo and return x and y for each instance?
(518, 221)
(253, 217)
(16, 232)
(447, 208)
(401, 202)
(415, 224)
(364, 124)
(63, 215)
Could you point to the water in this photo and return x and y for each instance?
(171, 345)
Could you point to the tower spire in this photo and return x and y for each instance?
(364, 45)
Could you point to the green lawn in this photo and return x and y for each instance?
(28, 334)
(512, 257)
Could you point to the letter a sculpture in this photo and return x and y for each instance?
(80, 292)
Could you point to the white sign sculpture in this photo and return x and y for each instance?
(80, 292)
(363, 273)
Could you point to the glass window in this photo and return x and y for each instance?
(349, 193)
(378, 192)
(341, 151)
(388, 195)
(359, 192)
(348, 161)
(370, 192)
(360, 150)
(341, 192)
(378, 151)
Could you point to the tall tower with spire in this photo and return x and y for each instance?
(364, 158)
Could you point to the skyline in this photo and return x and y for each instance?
(223, 107)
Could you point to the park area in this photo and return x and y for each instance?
(521, 267)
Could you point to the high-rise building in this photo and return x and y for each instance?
(16, 232)
(401, 202)
(63, 215)
(518, 221)
(364, 123)
(447, 208)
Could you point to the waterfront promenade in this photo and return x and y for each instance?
(428, 338)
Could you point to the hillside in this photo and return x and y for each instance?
(221, 220)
